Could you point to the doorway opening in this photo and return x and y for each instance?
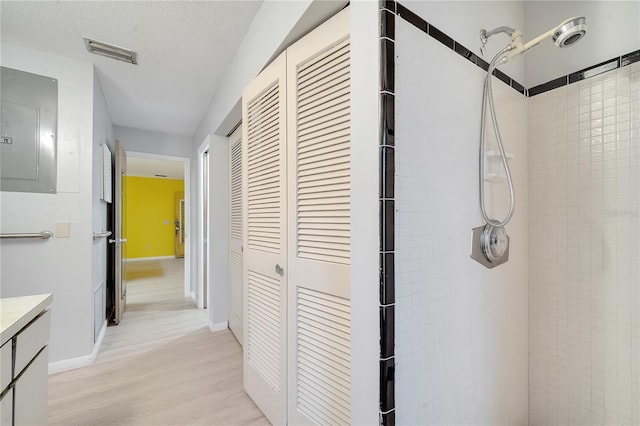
(156, 222)
(203, 224)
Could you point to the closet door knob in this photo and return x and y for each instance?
(279, 270)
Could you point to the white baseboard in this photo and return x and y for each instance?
(81, 361)
(143, 259)
(219, 326)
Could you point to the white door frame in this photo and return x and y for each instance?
(187, 202)
(200, 284)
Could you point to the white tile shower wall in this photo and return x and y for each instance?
(584, 238)
(461, 329)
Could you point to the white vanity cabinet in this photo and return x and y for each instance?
(24, 327)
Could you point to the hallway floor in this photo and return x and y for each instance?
(160, 366)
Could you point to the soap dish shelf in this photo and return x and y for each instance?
(491, 176)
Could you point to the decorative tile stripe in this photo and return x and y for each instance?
(592, 71)
(461, 50)
(387, 211)
(443, 38)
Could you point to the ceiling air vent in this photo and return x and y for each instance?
(111, 51)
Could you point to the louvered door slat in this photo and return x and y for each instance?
(335, 71)
(329, 99)
(323, 381)
(333, 392)
(327, 57)
(235, 305)
(263, 327)
(264, 170)
(317, 119)
(321, 146)
(321, 91)
(332, 400)
(236, 191)
(321, 355)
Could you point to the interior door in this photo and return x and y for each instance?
(319, 218)
(120, 232)
(265, 255)
(179, 233)
(205, 226)
(235, 234)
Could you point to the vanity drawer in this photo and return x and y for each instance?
(30, 340)
(5, 365)
(30, 393)
(6, 408)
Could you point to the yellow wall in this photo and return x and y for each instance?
(150, 216)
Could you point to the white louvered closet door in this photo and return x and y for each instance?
(319, 217)
(235, 234)
(265, 245)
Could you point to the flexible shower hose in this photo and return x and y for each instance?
(487, 98)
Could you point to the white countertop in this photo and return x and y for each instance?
(16, 312)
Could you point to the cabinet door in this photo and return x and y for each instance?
(265, 243)
(319, 218)
(235, 234)
(30, 393)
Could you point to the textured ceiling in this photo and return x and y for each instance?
(183, 49)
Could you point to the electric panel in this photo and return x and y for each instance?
(28, 120)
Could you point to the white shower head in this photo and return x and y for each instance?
(567, 33)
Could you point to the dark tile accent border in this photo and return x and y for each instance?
(443, 38)
(387, 216)
(412, 18)
(387, 25)
(387, 119)
(387, 379)
(461, 50)
(387, 71)
(630, 58)
(388, 419)
(502, 76)
(390, 5)
(387, 162)
(387, 172)
(594, 70)
(549, 85)
(387, 331)
(520, 88)
(387, 279)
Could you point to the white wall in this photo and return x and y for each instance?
(62, 266)
(461, 329)
(584, 281)
(218, 296)
(463, 20)
(365, 241)
(613, 30)
(102, 135)
(140, 140)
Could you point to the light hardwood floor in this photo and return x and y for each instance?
(160, 366)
